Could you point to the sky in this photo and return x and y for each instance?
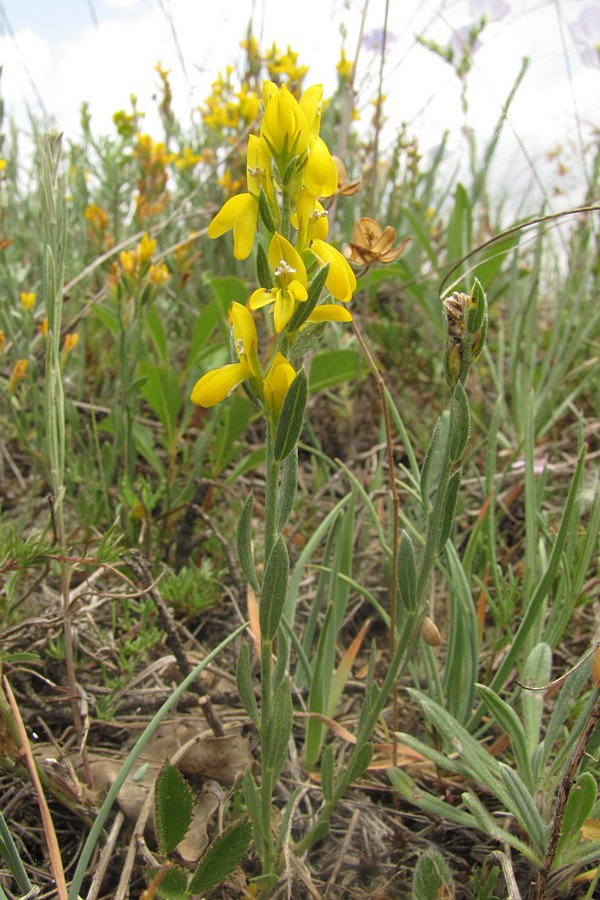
(55, 55)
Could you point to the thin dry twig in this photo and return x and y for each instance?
(47, 823)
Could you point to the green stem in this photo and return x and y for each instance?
(266, 696)
(435, 522)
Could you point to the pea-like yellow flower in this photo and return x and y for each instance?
(219, 383)
(320, 174)
(27, 300)
(341, 280)
(290, 282)
(277, 382)
(284, 125)
(239, 213)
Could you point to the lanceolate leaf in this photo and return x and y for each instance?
(222, 856)
(174, 804)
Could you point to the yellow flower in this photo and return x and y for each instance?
(43, 327)
(219, 383)
(188, 159)
(239, 213)
(18, 373)
(2, 340)
(128, 261)
(344, 67)
(70, 342)
(329, 312)
(290, 282)
(2, 165)
(96, 216)
(320, 174)
(284, 125)
(159, 274)
(27, 300)
(258, 168)
(341, 280)
(277, 382)
(145, 250)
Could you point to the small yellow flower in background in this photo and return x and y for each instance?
(128, 261)
(159, 274)
(228, 183)
(145, 250)
(277, 382)
(2, 165)
(96, 216)
(217, 384)
(239, 213)
(70, 342)
(188, 159)
(2, 340)
(43, 327)
(27, 300)
(344, 67)
(18, 373)
(373, 244)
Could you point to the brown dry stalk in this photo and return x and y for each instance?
(537, 890)
(47, 823)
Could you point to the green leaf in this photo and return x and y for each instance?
(291, 417)
(536, 673)
(222, 856)
(432, 878)
(281, 727)
(173, 884)
(359, 761)
(174, 804)
(334, 367)
(253, 800)
(580, 804)
(447, 518)
(274, 590)
(162, 393)
(522, 806)
(430, 463)
(287, 489)
(154, 323)
(263, 270)
(477, 313)
(266, 215)
(314, 291)
(245, 684)
(460, 423)
(244, 543)
(327, 772)
(406, 573)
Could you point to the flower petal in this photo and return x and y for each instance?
(218, 384)
(341, 280)
(330, 312)
(241, 214)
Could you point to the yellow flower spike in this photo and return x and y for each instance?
(239, 213)
(277, 382)
(217, 384)
(320, 174)
(128, 262)
(284, 124)
(341, 280)
(27, 300)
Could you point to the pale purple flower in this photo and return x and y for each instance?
(462, 41)
(373, 40)
(585, 32)
(490, 10)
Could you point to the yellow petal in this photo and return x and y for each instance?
(239, 213)
(278, 381)
(330, 312)
(218, 384)
(245, 337)
(285, 307)
(320, 173)
(341, 280)
(280, 250)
